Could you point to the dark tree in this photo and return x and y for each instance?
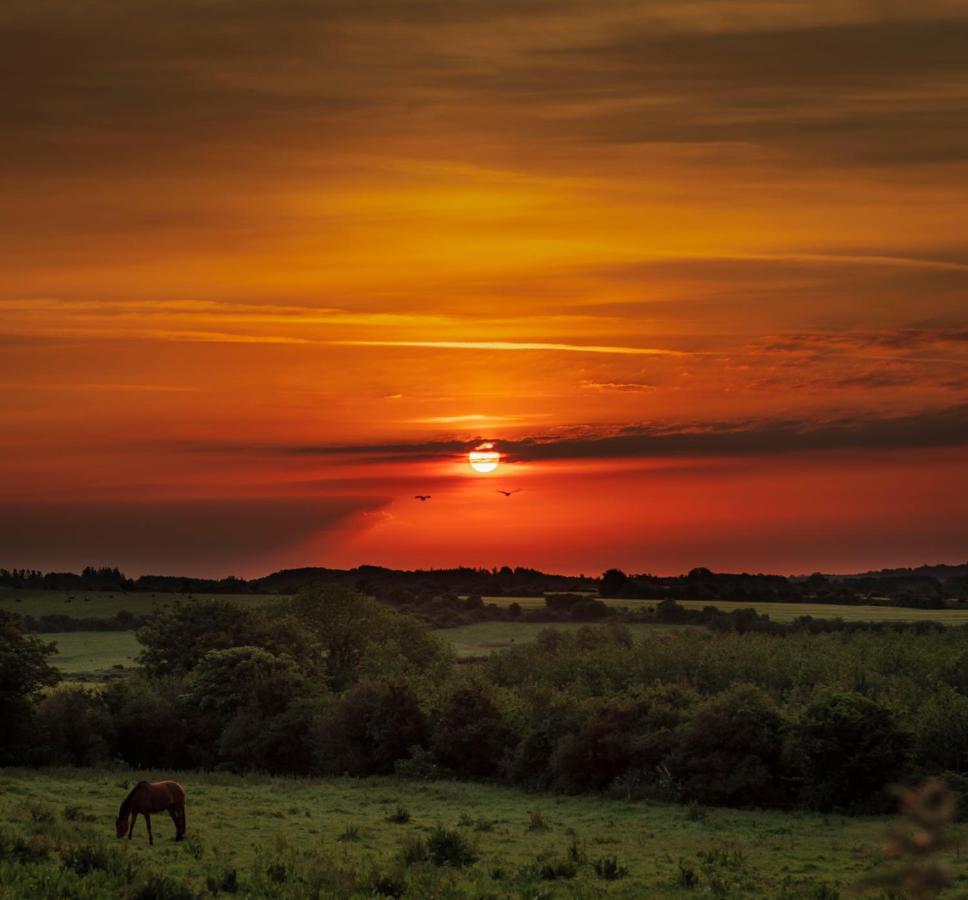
(848, 748)
(612, 583)
(24, 673)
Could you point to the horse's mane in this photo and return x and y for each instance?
(127, 800)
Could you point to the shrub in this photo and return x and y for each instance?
(375, 725)
(389, 886)
(40, 814)
(161, 887)
(687, 877)
(608, 869)
(731, 752)
(442, 847)
(536, 821)
(74, 727)
(77, 814)
(555, 870)
(470, 735)
(847, 747)
(277, 873)
(696, 812)
(226, 883)
(420, 765)
(351, 834)
(89, 858)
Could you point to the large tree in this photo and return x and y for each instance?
(24, 674)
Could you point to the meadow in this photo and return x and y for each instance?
(92, 655)
(285, 837)
(783, 612)
(103, 604)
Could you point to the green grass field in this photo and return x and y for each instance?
(90, 655)
(311, 831)
(103, 604)
(784, 612)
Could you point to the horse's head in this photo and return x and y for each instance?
(121, 825)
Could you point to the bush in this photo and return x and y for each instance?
(351, 834)
(74, 726)
(536, 821)
(375, 724)
(77, 814)
(389, 886)
(847, 748)
(89, 858)
(442, 847)
(225, 883)
(161, 887)
(608, 869)
(731, 752)
(470, 735)
(557, 869)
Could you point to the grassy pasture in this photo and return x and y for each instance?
(104, 604)
(784, 612)
(311, 831)
(89, 655)
(82, 654)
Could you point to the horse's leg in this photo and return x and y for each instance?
(173, 812)
(134, 818)
(181, 822)
(151, 839)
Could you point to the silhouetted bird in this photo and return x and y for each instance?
(422, 497)
(508, 493)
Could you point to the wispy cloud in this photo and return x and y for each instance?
(936, 428)
(518, 346)
(470, 417)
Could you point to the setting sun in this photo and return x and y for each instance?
(484, 458)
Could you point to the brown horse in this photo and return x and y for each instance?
(149, 797)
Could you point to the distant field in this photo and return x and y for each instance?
(87, 653)
(98, 604)
(787, 612)
(105, 604)
(784, 612)
(314, 828)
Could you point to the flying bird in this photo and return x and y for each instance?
(422, 497)
(508, 493)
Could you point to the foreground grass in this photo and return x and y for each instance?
(334, 838)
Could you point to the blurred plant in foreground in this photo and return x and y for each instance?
(917, 841)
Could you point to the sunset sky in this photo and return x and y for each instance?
(270, 268)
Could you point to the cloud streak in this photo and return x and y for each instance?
(947, 427)
(518, 346)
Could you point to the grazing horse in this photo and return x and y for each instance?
(149, 797)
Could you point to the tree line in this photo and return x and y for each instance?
(929, 588)
(333, 682)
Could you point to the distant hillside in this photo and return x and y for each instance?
(927, 587)
(942, 572)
